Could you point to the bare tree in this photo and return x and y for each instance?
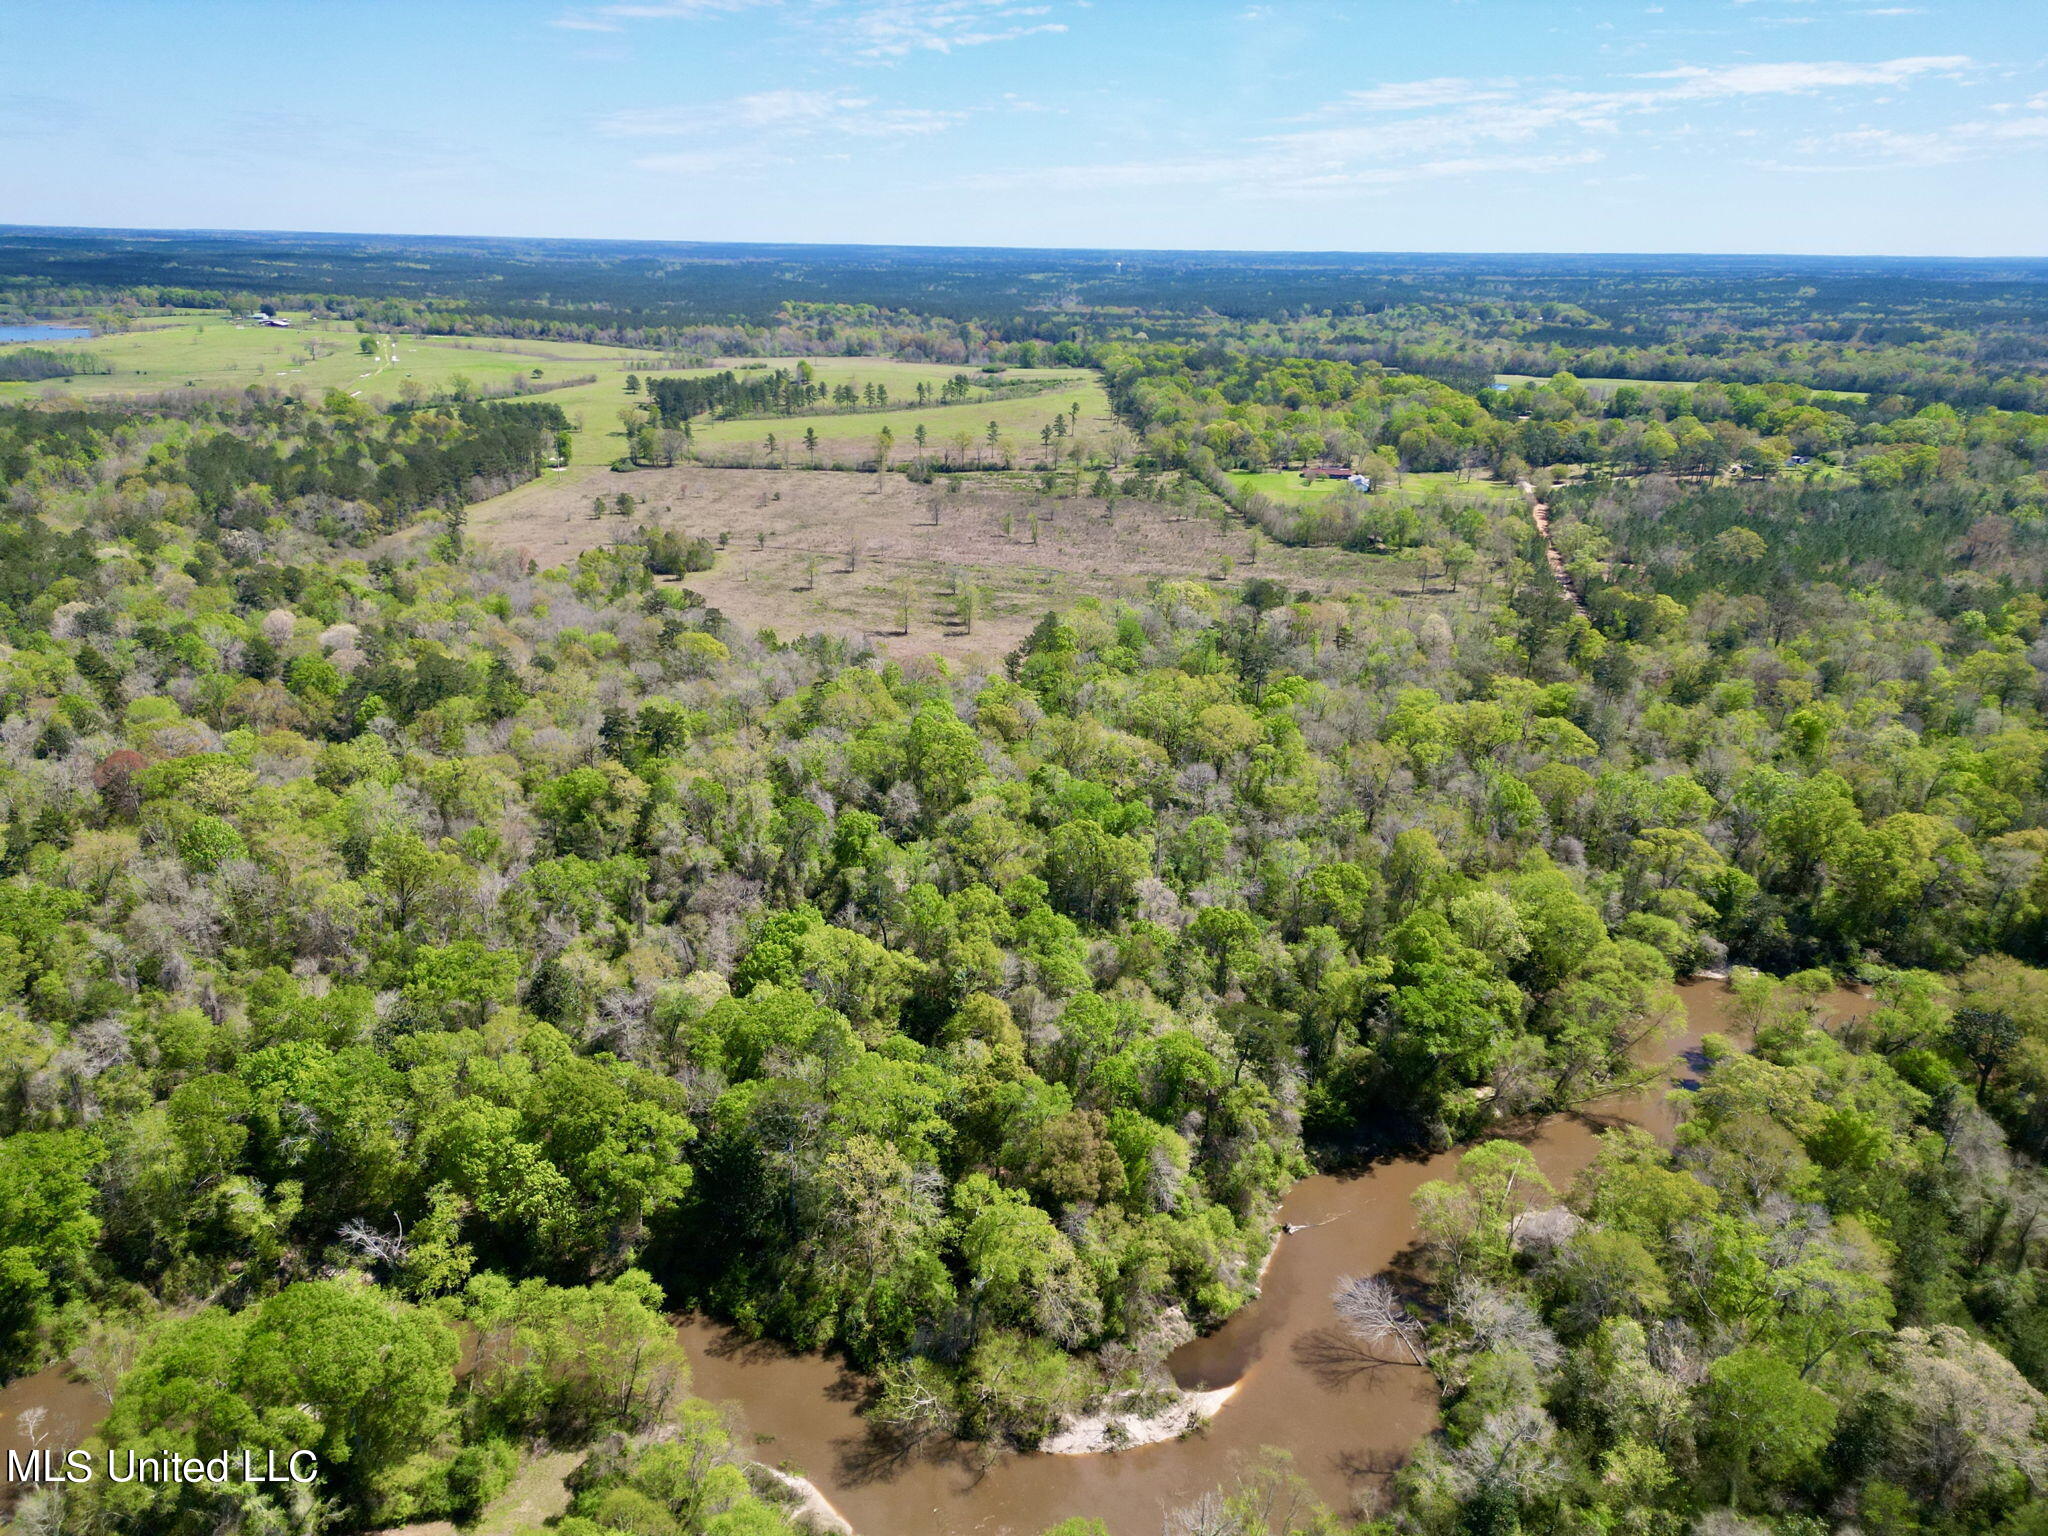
(914, 1404)
(380, 1247)
(1494, 1319)
(1369, 1307)
(1967, 1417)
(1210, 1515)
(109, 1350)
(1512, 1452)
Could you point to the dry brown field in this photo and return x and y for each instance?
(819, 551)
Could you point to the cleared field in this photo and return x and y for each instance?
(1288, 488)
(900, 378)
(847, 437)
(1595, 386)
(810, 551)
(212, 352)
(850, 439)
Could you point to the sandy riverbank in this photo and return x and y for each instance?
(1108, 1430)
(814, 1512)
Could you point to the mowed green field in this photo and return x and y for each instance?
(1018, 422)
(1593, 386)
(1604, 387)
(1289, 489)
(900, 378)
(851, 435)
(211, 352)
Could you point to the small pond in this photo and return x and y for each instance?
(40, 332)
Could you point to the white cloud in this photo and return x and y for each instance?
(1254, 176)
(768, 128)
(1449, 127)
(2018, 128)
(1441, 169)
(874, 29)
(1506, 121)
(785, 112)
(1799, 79)
(1415, 95)
(611, 18)
(896, 28)
(1860, 148)
(1870, 148)
(706, 162)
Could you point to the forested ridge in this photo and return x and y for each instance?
(421, 974)
(1967, 332)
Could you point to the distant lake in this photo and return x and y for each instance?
(42, 333)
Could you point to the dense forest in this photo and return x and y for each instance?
(1970, 332)
(423, 973)
(28, 363)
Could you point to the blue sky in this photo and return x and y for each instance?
(1854, 126)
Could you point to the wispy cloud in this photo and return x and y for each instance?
(1417, 95)
(704, 164)
(612, 18)
(1696, 82)
(1883, 149)
(1262, 177)
(889, 29)
(1448, 127)
(871, 29)
(786, 112)
(768, 128)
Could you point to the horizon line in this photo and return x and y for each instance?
(1109, 251)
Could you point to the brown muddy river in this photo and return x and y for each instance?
(1299, 1384)
(50, 1408)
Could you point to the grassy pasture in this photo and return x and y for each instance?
(852, 437)
(211, 352)
(1601, 387)
(901, 378)
(844, 436)
(1289, 489)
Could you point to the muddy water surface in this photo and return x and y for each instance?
(51, 1408)
(1300, 1381)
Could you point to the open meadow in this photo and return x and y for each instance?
(1022, 404)
(953, 433)
(806, 551)
(1290, 489)
(213, 352)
